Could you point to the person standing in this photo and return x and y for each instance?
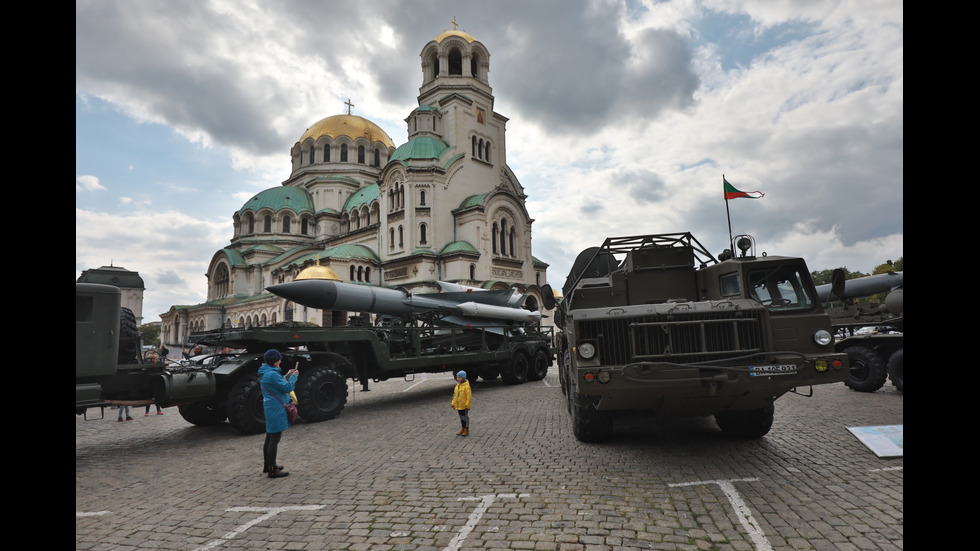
(128, 418)
(275, 393)
(462, 401)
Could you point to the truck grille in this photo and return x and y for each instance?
(677, 338)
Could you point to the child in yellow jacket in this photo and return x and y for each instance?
(462, 400)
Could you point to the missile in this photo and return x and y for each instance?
(459, 305)
(864, 286)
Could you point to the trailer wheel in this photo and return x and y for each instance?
(539, 366)
(202, 414)
(245, 410)
(868, 372)
(322, 393)
(588, 423)
(516, 372)
(746, 424)
(895, 370)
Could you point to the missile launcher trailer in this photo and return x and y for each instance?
(871, 334)
(655, 323)
(208, 390)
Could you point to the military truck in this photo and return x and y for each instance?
(655, 323)
(109, 366)
(223, 386)
(871, 334)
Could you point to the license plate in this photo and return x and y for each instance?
(757, 370)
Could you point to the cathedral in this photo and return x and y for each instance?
(444, 206)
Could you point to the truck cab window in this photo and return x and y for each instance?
(780, 289)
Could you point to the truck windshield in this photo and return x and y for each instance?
(780, 289)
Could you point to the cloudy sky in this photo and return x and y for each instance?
(623, 117)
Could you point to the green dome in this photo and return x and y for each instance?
(279, 198)
(420, 147)
(363, 196)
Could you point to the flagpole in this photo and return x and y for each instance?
(729, 214)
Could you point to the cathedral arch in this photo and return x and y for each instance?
(455, 58)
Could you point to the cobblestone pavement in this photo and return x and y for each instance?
(390, 473)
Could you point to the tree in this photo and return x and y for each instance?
(150, 335)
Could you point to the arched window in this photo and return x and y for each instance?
(360, 154)
(312, 155)
(326, 153)
(455, 62)
(251, 224)
(343, 153)
(503, 236)
(472, 272)
(367, 274)
(360, 273)
(377, 158)
(512, 239)
(422, 198)
(352, 273)
(304, 226)
(435, 65)
(479, 152)
(474, 146)
(285, 224)
(268, 224)
(486, 156)
(422, 234)
(493, 239)
(391, 238)
(474, 66)
(401, 236)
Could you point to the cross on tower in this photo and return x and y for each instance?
(454, 23)
(349, 105)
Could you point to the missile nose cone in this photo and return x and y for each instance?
(313, 293)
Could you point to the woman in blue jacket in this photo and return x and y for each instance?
(275, 393)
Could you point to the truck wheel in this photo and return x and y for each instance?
(564, 361)
(245, 411)
(129, 337)
(322, 393)
(588, 423)
(539, 366)
(202, 414)
(868, 372)
(746, 424)
(895, 370)
(516, 372)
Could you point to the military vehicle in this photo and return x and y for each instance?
(431, 339)
(871, 334)
(655, 323)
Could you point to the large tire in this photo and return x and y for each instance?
(245, 410)
(129, 337)
(322, 393)
(564, 362)
(895, 370)
(539, 366)
(516, 372)
(746, 424)
(202, 414)
(588, 423)
(868, 372)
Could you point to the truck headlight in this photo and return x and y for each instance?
(586, 350)
(823, 337)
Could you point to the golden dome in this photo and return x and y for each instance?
(317, 271)
(446, 34)
(351, 126)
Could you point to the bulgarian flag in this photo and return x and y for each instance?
(732, 193)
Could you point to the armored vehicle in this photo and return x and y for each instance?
(655, 323)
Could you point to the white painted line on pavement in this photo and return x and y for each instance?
(269, 513)
(93, 514)
(741, 509)
(485, 502)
